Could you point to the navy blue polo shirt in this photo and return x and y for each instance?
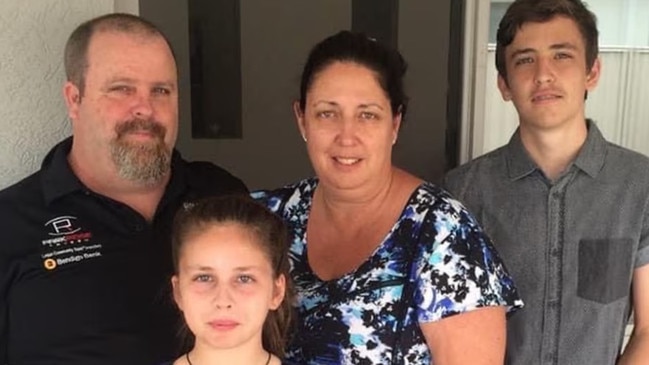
(84, 279)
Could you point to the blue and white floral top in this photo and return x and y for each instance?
(435, 262)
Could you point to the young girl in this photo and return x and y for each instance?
(231, 282)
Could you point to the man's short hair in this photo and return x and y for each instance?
(539, 11)
(75, 57)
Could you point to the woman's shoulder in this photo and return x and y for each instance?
(434, 197)
(438, 213)
(277, 198)
(421, 194)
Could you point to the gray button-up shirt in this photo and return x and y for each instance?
(571, 245)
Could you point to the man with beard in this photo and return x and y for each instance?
(85, 254)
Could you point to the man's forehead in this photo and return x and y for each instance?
(112, 43)
(554, 33)
(109, 35)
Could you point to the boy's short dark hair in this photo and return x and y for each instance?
(524, 11)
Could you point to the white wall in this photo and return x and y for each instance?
(32, 113)
(622, 22)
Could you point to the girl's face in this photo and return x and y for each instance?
(225, 286)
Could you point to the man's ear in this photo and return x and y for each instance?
(504, 88)
(299, 118)
(72, 97)
(592, 78)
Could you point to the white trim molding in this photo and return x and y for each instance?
(476, 34)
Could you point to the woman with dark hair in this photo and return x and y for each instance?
(388, 269)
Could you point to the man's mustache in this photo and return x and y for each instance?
(140, 125)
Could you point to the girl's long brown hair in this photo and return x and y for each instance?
(272, 238)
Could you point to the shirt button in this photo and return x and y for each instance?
(556, 195)
(553, 304)
(139, 228)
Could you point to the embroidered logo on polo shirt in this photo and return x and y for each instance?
(69, 243)
(62, 226)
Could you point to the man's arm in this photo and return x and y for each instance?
(637, 350)
(476, 337)
(3, 310)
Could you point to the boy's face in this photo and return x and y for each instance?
(547, 77)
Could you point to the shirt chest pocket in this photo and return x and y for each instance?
(605, 268)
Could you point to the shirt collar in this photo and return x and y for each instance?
(590, 158)
(593, 153)
(519, 163)
(59, 179)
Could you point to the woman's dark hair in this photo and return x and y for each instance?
(539, 11)
(346, 46)
(272, 238)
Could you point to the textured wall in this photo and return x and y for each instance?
(32, 112)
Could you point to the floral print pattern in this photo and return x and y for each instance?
(435, 262)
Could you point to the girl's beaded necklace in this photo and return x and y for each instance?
(190, 362)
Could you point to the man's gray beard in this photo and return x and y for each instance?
(145, 164)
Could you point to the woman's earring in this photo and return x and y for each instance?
(304, 138)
